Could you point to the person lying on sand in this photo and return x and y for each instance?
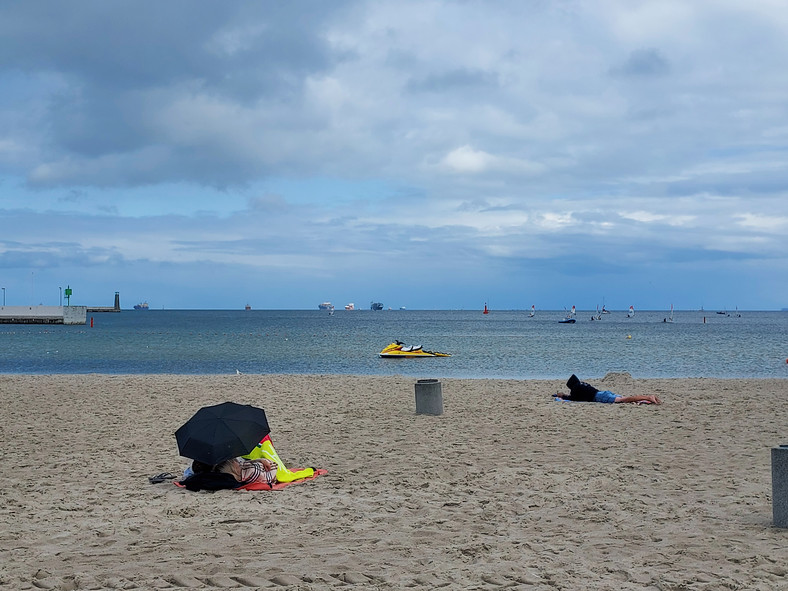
(230, 474)
(261, 465)
(584, 392)
(244, 471)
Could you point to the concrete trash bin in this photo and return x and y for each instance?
(429, 397)
(780, 485)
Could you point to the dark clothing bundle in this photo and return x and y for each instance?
(210, 481)
(580, 391)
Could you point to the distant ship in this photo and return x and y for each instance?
(247, 307)
(142, 306)
(324, 306)
(350, 306)
(375, 306)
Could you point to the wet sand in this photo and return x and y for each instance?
(507, 488)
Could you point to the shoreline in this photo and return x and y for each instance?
(430, 374)
(506, 488)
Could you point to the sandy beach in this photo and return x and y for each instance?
(507, 489)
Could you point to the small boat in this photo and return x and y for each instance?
(375, 306)
(398, 349)
(324, 306)
(247, 307)
(631, 312)
(570, 317)
(669, 318)
(142, 306)
(331, 311)
(350, 306)
(533, 312)
(597, 316)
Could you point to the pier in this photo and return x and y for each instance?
(115, 308)
(43, 314)
(53, 314)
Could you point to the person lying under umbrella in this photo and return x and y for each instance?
(243, 472)
(231, 448)
(262, 465)
(584, 392)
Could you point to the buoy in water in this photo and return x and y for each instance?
(629, 336)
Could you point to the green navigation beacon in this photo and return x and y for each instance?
(68, 295)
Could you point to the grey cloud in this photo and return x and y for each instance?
(643, 62)
(151, 44)
(121, 64)
(55, 255)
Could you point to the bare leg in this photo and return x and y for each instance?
(650, 399)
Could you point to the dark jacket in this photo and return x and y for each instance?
(210, 481)
(580, 391)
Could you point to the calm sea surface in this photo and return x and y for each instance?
(503, 344)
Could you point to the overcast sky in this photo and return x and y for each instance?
(427, 154)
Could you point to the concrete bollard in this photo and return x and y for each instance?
(429, 398)
(780, 485)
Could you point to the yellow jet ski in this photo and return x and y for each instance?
(401, 350)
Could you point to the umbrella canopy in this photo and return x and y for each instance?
(220, 432)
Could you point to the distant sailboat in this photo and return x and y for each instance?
(598, 315)
(669, 318)
(486, 311)
(631, 312)
(533, 312)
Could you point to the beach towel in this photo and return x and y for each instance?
(213, 481)
(280, 485)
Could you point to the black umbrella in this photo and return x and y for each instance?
(220, 432)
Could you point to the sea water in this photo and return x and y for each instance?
(502, 344)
